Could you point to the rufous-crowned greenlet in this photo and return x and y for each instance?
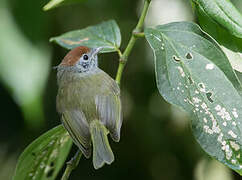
(88, 101)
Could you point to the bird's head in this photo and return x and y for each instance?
(80, 59)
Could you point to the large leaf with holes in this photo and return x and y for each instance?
(43, 158)
(56, 3)
(105, 34)
(192, 72)
(223, 12)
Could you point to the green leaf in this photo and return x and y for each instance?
(224, 13)
(44, 157)
(26, 92)
(231, 44)
(56, 3)
(193, 73)
(105, 34)
(235, 58)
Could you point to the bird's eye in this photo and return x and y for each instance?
(85, 57)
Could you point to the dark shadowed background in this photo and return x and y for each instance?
(156, 139)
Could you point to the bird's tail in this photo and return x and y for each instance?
(102, 152)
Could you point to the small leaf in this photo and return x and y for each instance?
(193, 73)
(44, 157)
(55, 3)
(105, 34)
(224, 13)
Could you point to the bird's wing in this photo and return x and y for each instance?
(109, 108)
(75, 123)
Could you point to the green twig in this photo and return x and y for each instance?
(137, 32)
(72, 164)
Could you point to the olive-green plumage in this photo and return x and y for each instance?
(90, 108)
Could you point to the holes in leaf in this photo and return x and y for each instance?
(177, 59)
(189, 55)
(201, 87)
(50, 173)
(52, 164)
(209, 96)
(190, 80)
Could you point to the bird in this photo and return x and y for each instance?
(89, 104)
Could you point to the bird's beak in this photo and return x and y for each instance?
(95, 51)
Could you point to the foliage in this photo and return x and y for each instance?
(106, 35)
(28, 61)
(231, 44)
(224, 13)
(192, 72)
(44, 157)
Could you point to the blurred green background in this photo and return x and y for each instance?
(156, 141)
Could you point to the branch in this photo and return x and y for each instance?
(71, 165)
(135, 34)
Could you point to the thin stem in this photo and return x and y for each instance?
(136, 34)
(119, 53)
(71, 165)
(143, 15)
(139, 34)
